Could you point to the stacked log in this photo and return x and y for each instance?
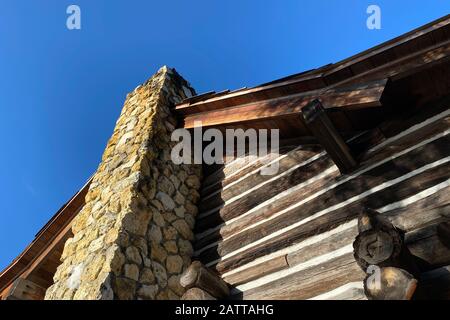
(202, 284)
(380, 250)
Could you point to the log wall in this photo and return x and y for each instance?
(290, 235)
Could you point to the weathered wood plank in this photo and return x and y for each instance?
(327, 245)
(232, 171)
(349, 291)
(311, 282)
(425, 245)
(217, 230)
(246, 182)
(260, 270)
(265, 192)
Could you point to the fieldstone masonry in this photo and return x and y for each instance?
(132, 239)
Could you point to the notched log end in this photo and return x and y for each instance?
(390, 284)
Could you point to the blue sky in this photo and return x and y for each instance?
(61, 91)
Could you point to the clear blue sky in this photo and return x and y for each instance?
(61, 91)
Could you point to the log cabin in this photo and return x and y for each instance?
(362, 190)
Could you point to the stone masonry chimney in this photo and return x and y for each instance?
(132, 239)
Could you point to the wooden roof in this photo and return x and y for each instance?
(39, 260)
(350, 88)
(359, 92)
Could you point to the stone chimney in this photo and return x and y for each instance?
(132, 239)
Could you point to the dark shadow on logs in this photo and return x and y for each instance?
(434, 285)
(443, 232)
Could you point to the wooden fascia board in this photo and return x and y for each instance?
(361, 96)
(410, 36)
(405, 66)
(64, 216)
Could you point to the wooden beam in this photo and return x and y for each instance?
(323, 129)
(390, 284)
(354, 97)
(435, 284)
(197, 294)
(197, 276)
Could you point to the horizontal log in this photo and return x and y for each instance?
(245, 183)
(257, 271)
(215, 229)
(263, 193)
(390, 284)
(197, 294)
(423, 212)
(366, 95)
(232, 171)
(408, 137)
(196, 275)
(300, 253)
(434, 285)
(327, 245)
(425, 245)
(349, 291)
(309, 283)
(323, 129)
